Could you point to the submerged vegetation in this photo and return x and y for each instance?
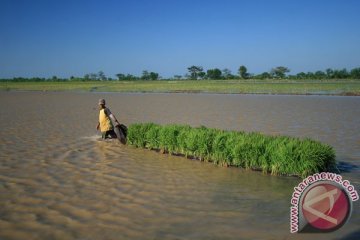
(278, 155)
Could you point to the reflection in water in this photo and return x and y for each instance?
(59, 181)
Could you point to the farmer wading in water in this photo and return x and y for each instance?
(105, 125)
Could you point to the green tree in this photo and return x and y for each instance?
(201, 75)
(329, 73)
(341, 74)
(93, 76)
(320, 75)
(87, 77)
(131, 77)
(101, 76)
(145, 75)
(310, 75)
(301, 75)
(194, 71)
(214, 73)
(243, 72)
(264, 75)
(227, 74)
(121, 76)
(355, 73)
(279, 72)
(154, 76)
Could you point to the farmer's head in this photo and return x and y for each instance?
(101, 103)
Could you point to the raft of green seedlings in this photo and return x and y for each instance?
(278, 155)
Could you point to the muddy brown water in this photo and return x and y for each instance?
(58, 181)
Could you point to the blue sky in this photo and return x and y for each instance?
(65, 38)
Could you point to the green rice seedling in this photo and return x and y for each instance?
(191, 142)
(232, 140)
(257, 156)
(182, 139)
(205, 138)
(168, 138)
(278, 155)
(152, 137)
(238, 152)
(315, 157)
(137, 134)
(282, 162)
(260, 146)
(134, 134)
(221, 154)
(143, 131)
(182, 131)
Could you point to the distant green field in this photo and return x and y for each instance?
(331, 87)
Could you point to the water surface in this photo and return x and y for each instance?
(58, 181)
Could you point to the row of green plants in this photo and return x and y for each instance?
(278, 155)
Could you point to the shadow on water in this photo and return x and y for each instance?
(352, 236)
(345, 167)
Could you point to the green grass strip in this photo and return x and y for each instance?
(319, 87)
(278, 155)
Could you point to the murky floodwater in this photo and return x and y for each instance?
(58, 181)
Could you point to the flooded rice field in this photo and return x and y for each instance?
(58, 180)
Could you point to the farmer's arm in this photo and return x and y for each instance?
(111, 116)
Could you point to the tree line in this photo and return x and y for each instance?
(198, 73)
(279, 72)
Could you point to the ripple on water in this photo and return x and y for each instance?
(58, 180)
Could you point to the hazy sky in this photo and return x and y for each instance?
(64, 38)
